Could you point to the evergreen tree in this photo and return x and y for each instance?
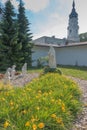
(24, 35)
(9, 47)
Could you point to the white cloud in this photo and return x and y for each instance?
(15, 3)
(56, 25)
(3, 1)
(36, 5)
(82, 9)
(33, 5)
(57, 31)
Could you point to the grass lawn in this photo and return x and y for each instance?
(79, 72)
(34, 70)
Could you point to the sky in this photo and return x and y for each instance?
(50, 17)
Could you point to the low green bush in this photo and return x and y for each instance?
(50, 102)
(47, 69)
(42, 61)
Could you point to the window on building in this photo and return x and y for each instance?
(70, 31)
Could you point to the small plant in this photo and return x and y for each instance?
(42, 61)
(47, 69)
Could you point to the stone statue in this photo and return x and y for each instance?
(13, 72)
(24, 69)
(7, 76)
(52, 58)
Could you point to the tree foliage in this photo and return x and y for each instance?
(9, 47)
(83, 37)
(24, 35)
(15, 37)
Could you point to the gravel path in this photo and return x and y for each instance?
(81, 122)
(20, 81)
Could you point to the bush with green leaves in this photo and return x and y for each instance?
(42, 61)
(47, 69)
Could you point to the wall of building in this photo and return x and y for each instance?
(74, 55)
(39, 52)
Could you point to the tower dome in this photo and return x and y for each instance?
(73, 13)
(73, 27)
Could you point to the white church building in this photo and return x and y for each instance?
(69, 51)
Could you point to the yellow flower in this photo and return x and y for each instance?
(53, 115)
(52, 100)
(3, 99)
(38, 108)
(63, 107)
(6, 124)
(11, 103)
(24, 112)
(39, 91)
(33, 120)
(41, 125)
(34, 127)
(7, 94)
(27, 124)
(59, 120)
(50, 93)
(59, 101)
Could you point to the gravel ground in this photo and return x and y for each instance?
(81, 121)
(20, 81)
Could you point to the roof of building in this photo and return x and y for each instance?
(61, 45)
(49, 37)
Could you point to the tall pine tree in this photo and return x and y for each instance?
(24, 35)
(9, 47)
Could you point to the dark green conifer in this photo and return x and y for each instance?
(24, 35)
(9, 47)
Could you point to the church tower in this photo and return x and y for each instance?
(73, 27)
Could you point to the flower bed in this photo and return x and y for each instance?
(50, 102)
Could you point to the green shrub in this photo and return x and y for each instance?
(50, 102)
(42, 61)
(47, 69)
